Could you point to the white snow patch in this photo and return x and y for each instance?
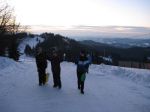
(6, 62)
(32, 42)
(140, 76)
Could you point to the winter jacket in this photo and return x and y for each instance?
(82, 64)
(55, 63)
(41, 60)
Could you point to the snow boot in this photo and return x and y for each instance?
(82, 92)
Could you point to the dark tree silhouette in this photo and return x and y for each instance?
(8, 31)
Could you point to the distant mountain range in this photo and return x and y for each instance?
(116, 48)
(120, 42)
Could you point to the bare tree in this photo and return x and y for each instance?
(8, 30)
(8, 23)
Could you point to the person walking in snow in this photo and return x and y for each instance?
(82, 66)
(41, 62)
(56, 69)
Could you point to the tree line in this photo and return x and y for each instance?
(9, 32)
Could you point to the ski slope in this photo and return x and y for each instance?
(107, 89)
(31, 41)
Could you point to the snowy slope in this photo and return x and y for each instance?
(32, 42)
(107, 89)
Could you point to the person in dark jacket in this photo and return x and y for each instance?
(56, 69)
(41, 62)
(82, 65)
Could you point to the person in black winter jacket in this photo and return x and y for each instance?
(82, 66)
(56, 69)
(41, 62)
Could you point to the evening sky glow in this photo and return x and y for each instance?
(69, 13)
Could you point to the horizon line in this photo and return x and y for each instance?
(88, 26)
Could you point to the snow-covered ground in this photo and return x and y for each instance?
(107, 89)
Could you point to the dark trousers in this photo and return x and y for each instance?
(42, 75)
(80, 83)
(56, 78)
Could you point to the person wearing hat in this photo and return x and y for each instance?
(82, 64)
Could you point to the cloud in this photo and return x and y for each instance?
(86, 31)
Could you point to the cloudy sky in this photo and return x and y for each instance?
(96, 13)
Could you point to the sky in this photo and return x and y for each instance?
(66, 14)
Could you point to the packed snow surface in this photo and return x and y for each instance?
(107, 89)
